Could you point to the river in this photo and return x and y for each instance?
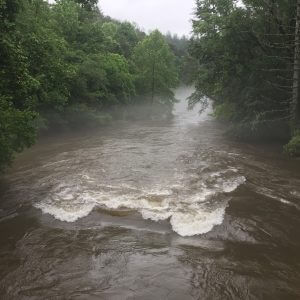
(151, 210)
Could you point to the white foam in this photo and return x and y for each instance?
(199, 196)
(288, 203)
(67, 204)
(189, 224)
(66, 214)
(295, 194)
(155, 215)
(190, 213)
(232, 185)
(284, 201)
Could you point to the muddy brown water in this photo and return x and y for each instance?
(151, 210)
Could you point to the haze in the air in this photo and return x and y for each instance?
(165, 15)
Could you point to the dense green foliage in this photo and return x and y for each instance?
(16, 88)
(156, 65)
(293, 147)
(245, 53)
(65, 65)
(187, 65)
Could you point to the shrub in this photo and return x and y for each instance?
(293, 147)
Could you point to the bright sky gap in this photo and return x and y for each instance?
(166, 15)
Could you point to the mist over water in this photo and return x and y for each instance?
(143, 167)
(151, 209)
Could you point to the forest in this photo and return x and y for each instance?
(158, 160)
(248, 57)
(67, 66)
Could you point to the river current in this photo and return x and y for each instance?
(151, 210)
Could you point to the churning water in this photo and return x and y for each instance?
(151, 210)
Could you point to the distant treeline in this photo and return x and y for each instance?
(248, 57)
(66, 65)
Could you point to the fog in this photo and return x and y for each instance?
(144, 161)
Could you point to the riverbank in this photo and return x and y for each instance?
(145, 209)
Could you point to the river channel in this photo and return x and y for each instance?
(151, 209)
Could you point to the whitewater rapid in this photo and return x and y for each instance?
(168, 209)
(162, 170)
(189, 212)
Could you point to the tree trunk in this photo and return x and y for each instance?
(296, 92)
(153, 82)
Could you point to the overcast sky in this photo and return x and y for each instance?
(165, 15)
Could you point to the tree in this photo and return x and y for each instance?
(64, 64)
(156, 69)
(109, 30)
(88, 4)
(245, 56)
(65, 19)
(187, 65)
(103, 80)
(45, 50)
(296, 78)
(17, 129)
(127, 36)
